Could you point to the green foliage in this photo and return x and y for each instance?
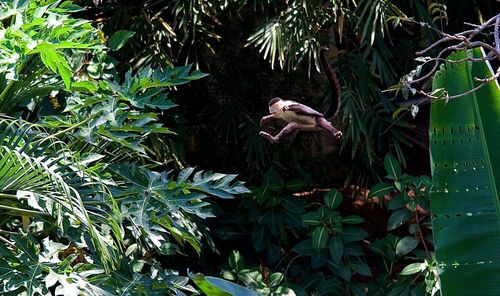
(331, 234)
(119, 39)
(83, 207)
(35, 50)
(109, 111)
(272, 211)
(408, 198)
(41, 176)
(158, 206)
(89, 203)
(465, 168)
(213, 286)
(253, 278)
(28, 267)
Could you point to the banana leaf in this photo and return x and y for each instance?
(465, 162)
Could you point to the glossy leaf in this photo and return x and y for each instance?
(213, 286)
(414, 268)
(381, 189)
(406, 245)
(392, 167)
(333, 199)
(353, 233)
(353, 219)
(320, 237)
(398, 218)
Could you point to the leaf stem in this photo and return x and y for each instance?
(24, 211)
(421, 234)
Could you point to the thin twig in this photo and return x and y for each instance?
(289, 264)
(8, 242)
(485, 82)
(497, 38)
(421, 234)
(436, 64)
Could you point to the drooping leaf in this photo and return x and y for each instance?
(213, 286)
(392, 167)
(119, 38)
(56, 62)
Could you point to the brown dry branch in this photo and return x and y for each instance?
(464, 40)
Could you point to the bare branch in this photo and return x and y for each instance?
(497, 38)
(484, 82)
(465, 42)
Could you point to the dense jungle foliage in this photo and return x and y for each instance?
(131, 161)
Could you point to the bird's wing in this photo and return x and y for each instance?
(301, 109)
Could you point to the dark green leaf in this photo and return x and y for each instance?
(320, 237)
(398, 201)
(352, 233)
(353, 219)
(333, 199)
(406, 245)
(318, 260)
(305, 247)
(345, 272)
(336, 248)
(311, 218)
(398, 218)
(360, 267)
(381, 189)
(392, 167)
(119, 38)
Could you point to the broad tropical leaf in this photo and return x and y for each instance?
(158, 205)
(465, 162)
(213, 286)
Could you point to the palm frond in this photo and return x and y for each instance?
(290, 38)
(373, 16)
(35, 173)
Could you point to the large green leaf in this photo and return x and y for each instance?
(119, 38)
(213, 286)
(465, 162)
